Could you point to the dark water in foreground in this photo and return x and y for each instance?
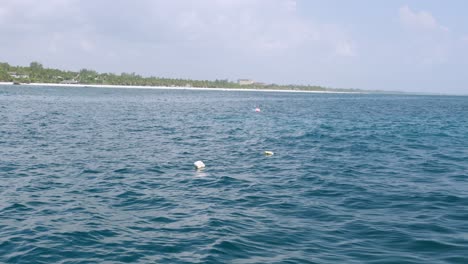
(105, 176)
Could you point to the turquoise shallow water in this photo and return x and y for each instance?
(106, 176)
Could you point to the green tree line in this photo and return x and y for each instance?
(36, 73)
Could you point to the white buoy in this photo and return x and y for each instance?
(199, 164)
(257, 109)
(268, 153)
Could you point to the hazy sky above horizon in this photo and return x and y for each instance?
(412, 45)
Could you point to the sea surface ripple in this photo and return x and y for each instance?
(106, 176)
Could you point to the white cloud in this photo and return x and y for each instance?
(261, 27)
(464, 39)
(257, 25)
(229, 37)
(3, 13)
(87, 45)
(428, 43)
(345, 49)
(421, 20)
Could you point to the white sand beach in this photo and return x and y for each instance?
(171, 88)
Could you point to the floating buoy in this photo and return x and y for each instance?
(268, 153)
(257, 109)
(199, 164)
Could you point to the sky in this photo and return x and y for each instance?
(411, 45)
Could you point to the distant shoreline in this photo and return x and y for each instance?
(174, 88)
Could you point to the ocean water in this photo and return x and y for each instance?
(106, 176)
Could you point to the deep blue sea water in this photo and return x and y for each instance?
(106, 176)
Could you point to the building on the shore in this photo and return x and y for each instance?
(69, 82)
(245, 81)
(18, 76)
